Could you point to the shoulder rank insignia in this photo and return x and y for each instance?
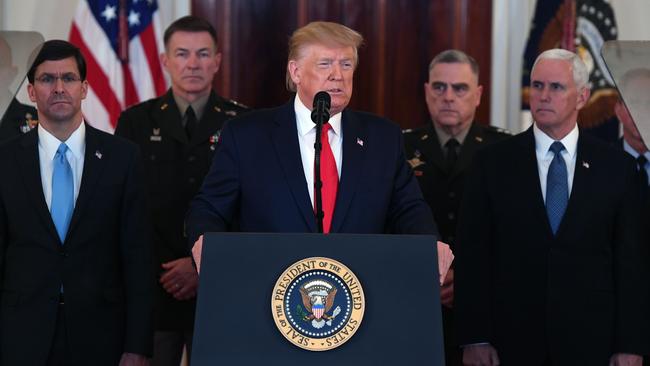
(424, 137)
(231, 113)
(164, 106)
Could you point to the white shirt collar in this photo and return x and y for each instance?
(76, 142)
(543, 141)
(306, 125)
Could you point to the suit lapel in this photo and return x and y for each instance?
(284, 135)
(93, 165)
(28, 159)
(530, 184)
(170, 117)
(352, 168)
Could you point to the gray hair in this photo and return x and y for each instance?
(455, 57)
(578, 67)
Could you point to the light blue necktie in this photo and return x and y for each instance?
(62, 192)
(557, 187)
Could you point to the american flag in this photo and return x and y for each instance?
(121, 41)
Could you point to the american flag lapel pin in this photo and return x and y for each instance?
(585, 164)
(98, 154)
(359, 142)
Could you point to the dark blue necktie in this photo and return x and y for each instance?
(557, 187)
(62, 192)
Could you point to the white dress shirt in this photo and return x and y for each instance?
(545, 156)
(47, 147)
(306, 138)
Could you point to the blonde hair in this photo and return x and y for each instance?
(322, 33)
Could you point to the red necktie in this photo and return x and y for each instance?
(330, 178)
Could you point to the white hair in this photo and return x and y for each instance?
(578, 67)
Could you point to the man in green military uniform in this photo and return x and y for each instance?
(177, 134)
(441, 151)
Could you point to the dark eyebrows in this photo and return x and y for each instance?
(182, 49)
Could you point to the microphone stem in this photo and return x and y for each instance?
(318, 183)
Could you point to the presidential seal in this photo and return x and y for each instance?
(317, 304)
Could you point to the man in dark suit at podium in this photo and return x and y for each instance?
(75, 261)
(262, 175)
(550, 268)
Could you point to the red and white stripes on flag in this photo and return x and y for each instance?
(118, 78)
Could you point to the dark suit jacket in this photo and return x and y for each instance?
(443, 189)
(257, 177)
(175, 168)
(573, 299)
(104, 264)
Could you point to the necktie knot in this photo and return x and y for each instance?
(556, 147)
(452, 144)
(641, 161)
(60, 152)
(326, 128)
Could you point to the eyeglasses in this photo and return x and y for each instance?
(440, 88)
(50, 80)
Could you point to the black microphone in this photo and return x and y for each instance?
(320, 115)
(321, 111)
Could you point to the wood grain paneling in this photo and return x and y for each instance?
(401, 37)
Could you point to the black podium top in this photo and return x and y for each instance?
(401, 323)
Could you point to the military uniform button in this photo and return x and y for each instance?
(191, 158)
(191, 180)
(451, 216)
(152, 157)
(452, 194)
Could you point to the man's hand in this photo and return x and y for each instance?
(480, 355)
(625, 359)
(196, 253)
(445, 257)
(180, 279)
(447, 290)
(132, 359)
